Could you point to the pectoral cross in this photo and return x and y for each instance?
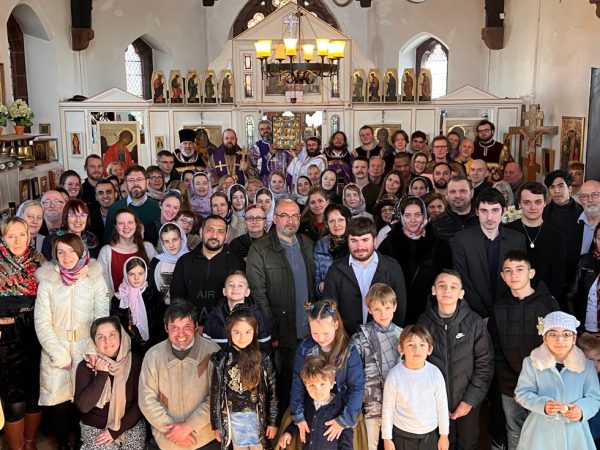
(220, 166)
(533, 135)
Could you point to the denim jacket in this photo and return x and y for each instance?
(349, 382)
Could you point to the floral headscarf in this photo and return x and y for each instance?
(16, 272)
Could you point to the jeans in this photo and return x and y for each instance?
(515, 418)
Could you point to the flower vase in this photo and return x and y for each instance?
(19, 129)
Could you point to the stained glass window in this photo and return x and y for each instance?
(335, 123)
(133, 72)
(437, 61)
(249, 128)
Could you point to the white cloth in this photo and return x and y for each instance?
(414, 401)
(591, 312)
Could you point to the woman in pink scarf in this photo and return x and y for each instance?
(136, 307)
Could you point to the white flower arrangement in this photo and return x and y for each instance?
(511, 214)
(20, 113)
(3, 115)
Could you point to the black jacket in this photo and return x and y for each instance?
(470, 260)
(462, 351)
(315, 440)
(421, 261)
(342, 286)
(214, 328)
(564, 217)
(513, 326)
(548, 256)
(586, 272)
(272, 284)
(200, 280)
(446, 227)
(267, 407)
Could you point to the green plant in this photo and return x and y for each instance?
(3, 115)
(20, 113)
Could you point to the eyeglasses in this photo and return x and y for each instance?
(135, 180)
(440, 146)
(256, 219)
(156, 178)
(186, 221)
(53, 202)
(555, 336)
(484, 130)
(586, 197)
(285, 216)
(74, 215)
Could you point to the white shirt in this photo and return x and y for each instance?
(300, 164)
(414, 400)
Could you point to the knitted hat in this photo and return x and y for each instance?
(559, 319)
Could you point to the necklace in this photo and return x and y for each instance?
(532, 242)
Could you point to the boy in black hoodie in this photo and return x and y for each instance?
(463, 352)
(236, 295)
(513, 326)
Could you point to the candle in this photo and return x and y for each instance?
(263, 48)
(308, 50)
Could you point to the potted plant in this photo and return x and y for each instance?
(3, 117)
(21, 114)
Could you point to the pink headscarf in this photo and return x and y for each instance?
(132, 298)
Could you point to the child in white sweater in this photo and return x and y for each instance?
(415, 406)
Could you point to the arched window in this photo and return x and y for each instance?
(433, 55)
(256, 10)
(138, 68)
(16, 46)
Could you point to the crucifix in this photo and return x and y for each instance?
(533, 133)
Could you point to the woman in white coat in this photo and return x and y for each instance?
(71, 295)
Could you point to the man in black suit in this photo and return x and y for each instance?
(349, 278)
(478, 252)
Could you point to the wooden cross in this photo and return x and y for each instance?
(533, 135)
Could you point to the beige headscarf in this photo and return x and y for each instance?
(114, 392)
(1, 416)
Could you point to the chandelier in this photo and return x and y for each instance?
(293, 60)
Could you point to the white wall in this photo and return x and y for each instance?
(555, 67)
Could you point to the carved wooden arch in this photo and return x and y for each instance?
(266, 7)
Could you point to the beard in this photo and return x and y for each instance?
(137, 193)
(230, 149)
(267, 138)
(592, 210)
(213, 245)
(313, 153)
(440, 184)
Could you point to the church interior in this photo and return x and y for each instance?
(495, 59)
(91, 70)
